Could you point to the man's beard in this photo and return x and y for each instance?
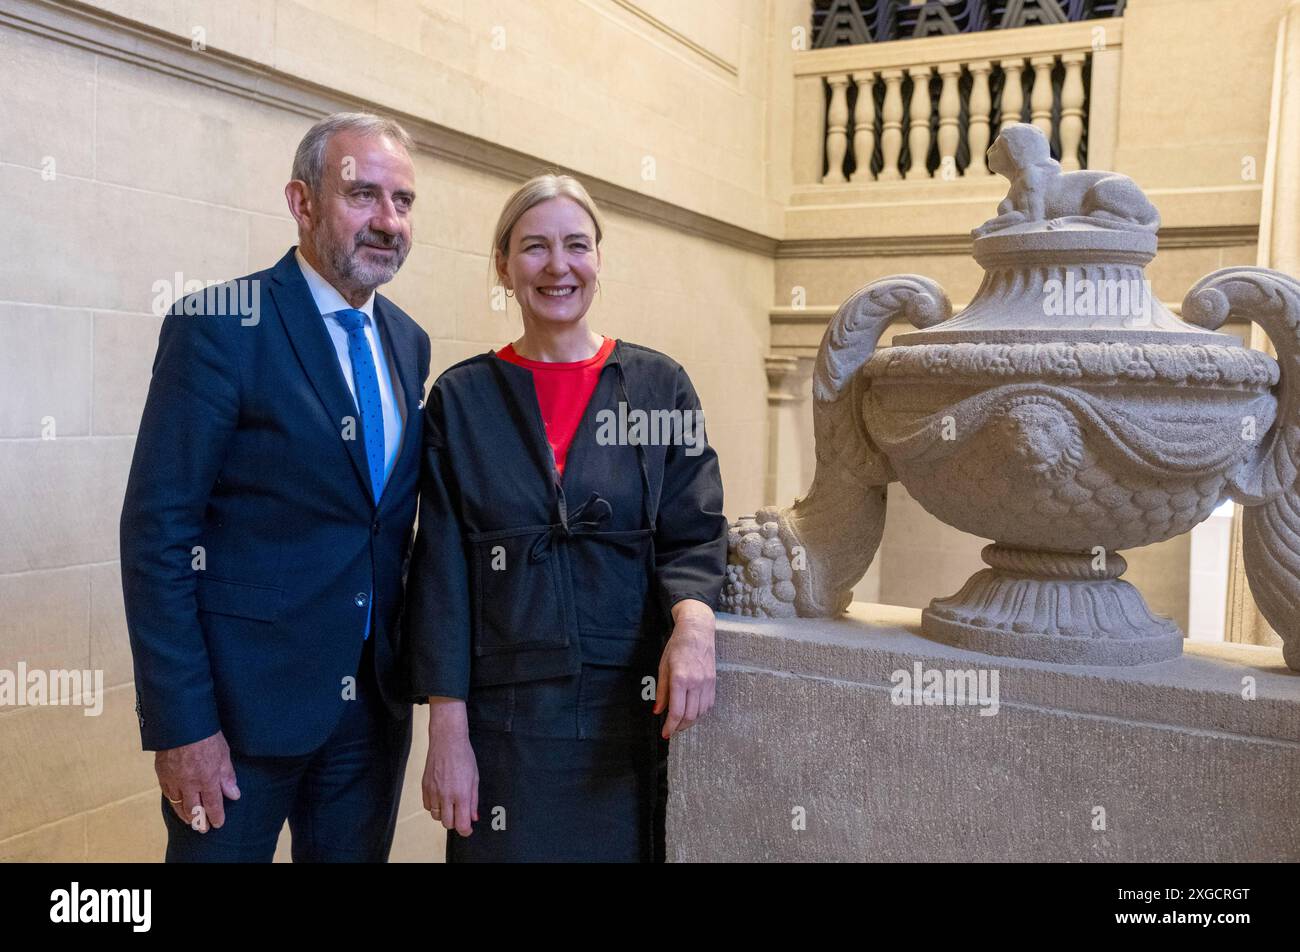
(345, 259)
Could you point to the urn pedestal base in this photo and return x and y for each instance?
(1069, 608)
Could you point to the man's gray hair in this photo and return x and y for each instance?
(309, 160)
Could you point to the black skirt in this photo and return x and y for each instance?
(570, 770)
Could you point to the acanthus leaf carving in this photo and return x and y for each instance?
(829, 536)
(1266, 485)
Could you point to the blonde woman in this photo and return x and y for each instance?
(570, 552)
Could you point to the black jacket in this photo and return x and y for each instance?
(515, 577)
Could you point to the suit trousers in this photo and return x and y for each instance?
(341, 800)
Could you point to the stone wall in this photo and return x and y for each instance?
(159, 159)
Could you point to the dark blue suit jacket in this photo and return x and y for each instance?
(251, 542)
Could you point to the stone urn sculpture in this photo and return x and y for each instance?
(1065, 414)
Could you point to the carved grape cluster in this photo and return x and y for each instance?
(760, 571)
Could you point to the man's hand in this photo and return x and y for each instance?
(450, 784)
(194, 777)
(687, 673)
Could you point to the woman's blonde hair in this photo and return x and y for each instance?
(540, 188)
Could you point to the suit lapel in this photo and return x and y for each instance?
(320, 361)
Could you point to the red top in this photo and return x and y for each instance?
(563, 392)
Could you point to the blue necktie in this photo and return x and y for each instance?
(366, 383)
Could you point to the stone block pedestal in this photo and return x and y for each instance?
(822, 748)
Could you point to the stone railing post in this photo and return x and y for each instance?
(891, 132)
(837, 125)
(864, 126)
(918, 127)
(1013, 93)
(1072, 110)
(980, 105)
(1040, 101)
(949, 132)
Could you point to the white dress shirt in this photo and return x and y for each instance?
(328, 300)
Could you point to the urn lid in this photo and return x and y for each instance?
(1064, 259)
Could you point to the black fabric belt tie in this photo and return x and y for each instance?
(586, 518)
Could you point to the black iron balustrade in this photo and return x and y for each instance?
(848, 22)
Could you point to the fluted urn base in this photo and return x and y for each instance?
(1071, 608)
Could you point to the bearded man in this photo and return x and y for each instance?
(267, 526)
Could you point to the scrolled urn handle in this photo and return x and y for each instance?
(1267, 482)
(805, 558)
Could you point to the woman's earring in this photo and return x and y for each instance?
(509, 293)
